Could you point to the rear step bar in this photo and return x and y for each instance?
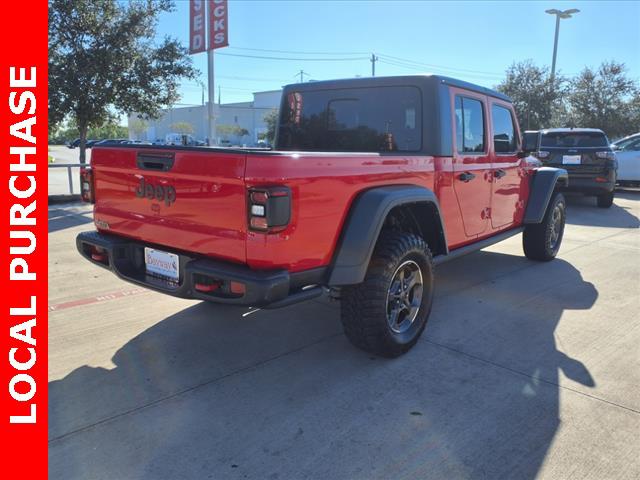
(474, 247)
(299, 296)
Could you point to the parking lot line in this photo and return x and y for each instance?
(97, 299)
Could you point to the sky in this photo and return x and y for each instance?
(474, 41)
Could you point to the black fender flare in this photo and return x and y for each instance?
(364, 223)
(543, 184)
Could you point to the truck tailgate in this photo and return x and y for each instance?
(190, 200)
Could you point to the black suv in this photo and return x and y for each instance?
(584, 152)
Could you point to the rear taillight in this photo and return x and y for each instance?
(99, 254)
(269, 209)
(86, 185)
(606, 155)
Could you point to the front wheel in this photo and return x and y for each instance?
(387, 312)
(541, 241)
(605, 200)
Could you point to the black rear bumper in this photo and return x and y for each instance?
(593, 184)
(591, 179)
(274, 288)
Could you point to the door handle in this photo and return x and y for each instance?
(466, 176)
(499, 173)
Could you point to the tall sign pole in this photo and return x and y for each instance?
(218, 36)
(212, 94)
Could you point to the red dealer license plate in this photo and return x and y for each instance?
(162, 264)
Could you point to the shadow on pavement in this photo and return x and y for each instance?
(60, 218)
(477, 398)
(590, 215)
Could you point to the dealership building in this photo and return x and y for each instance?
(245, 115)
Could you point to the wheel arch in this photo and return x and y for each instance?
(409, 207)
(544, 183)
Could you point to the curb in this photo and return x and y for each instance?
(54, 199)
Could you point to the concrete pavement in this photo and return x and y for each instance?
(58, 177)
(525, 370)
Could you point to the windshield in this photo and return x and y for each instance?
(382, 119)
(574, 139)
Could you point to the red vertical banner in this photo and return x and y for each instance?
(23, 143)
(218, 24)
(197, 25)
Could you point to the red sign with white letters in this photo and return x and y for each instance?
(197, 25)
(218, 25)
(23, 142)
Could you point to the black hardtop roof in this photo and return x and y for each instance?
(399, 80)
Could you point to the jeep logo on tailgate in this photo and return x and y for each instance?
(156, 192)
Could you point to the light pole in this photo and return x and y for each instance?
(559, 14)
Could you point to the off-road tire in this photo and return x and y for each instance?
(538, 238)
(365, 307)
(605, 200)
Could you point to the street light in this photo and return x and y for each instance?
(559, 14)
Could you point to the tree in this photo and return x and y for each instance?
(108, 130)
(138, 126)
(536, 98)
(605, 98)
(635, 110)
(184, 128)
(103, 61)
(235, 130)
(68, 131)
(271, 120)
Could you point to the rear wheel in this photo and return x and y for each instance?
(541, 241)
(605, 200)
(387, 312)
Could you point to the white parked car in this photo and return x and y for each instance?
(180, 139)
(628, 155)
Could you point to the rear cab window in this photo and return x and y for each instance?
(380, 119)
(573, 140)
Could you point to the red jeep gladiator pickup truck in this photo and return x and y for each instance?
(371, 183)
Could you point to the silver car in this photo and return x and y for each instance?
(628, 155)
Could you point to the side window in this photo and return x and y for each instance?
(469, 125)
(633, 146)
(504, 138)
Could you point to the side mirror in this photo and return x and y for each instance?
(530, 141)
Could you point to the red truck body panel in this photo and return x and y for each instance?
(208, 217)
(323, 187)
